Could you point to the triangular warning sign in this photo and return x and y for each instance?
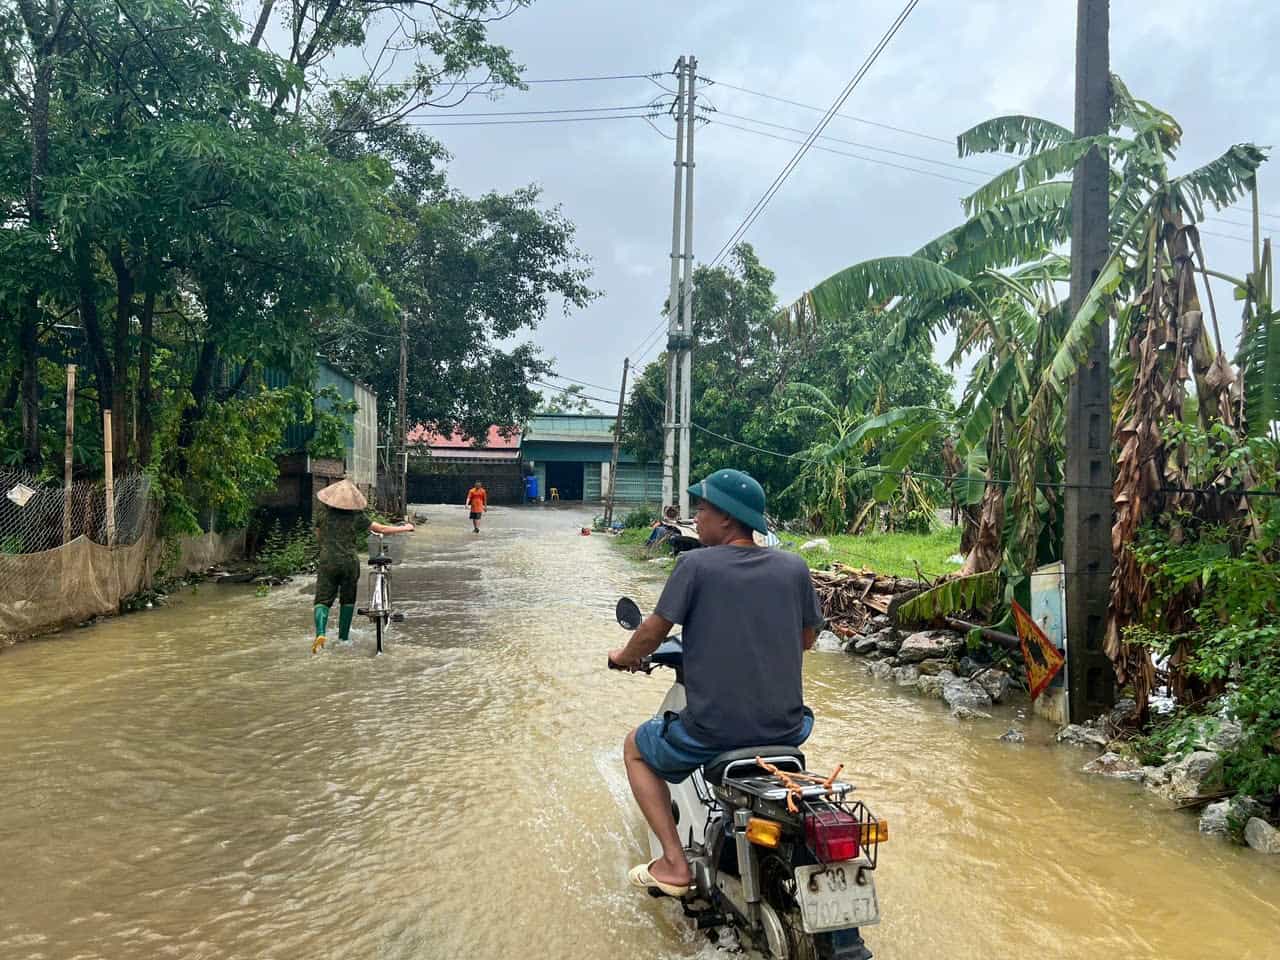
(1043, 659)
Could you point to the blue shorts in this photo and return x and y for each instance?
(672, 753)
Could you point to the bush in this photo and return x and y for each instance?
(640, 517)
(284, 552)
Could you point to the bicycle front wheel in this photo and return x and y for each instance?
(377, 626)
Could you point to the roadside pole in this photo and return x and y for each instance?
(617, 442)
(673, 302)
(402, 457)
(69, 455)
(110, 478)
(1088, 506)
(686, 297)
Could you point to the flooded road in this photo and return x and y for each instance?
(191, 782)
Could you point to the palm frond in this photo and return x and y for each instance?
(984, 408)
(904, 452)
(878, 282)
(1259, 361)
(1015, 133)
(1022, 227)
(974, 592)
(1040, 167)
(1221, 182)
(873, 427)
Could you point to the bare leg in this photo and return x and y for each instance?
(653, 796)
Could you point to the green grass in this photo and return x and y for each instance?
(892, 554)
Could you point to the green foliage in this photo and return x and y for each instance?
(567, 400)
(331, 421)
(976, 592)
(640, 518)
(286, 552)
(1231, 640)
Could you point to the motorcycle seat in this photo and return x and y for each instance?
(743, 762)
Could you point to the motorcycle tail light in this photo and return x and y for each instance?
(833, 834)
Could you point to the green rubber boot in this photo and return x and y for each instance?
(322, 621)
(345, 613)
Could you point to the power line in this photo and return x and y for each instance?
(851, 143)
(585, 383)
(854, 156)
(490, 80)
(584, 396)
(503, 123)
(781, 178)
(843, 116)
(530, 113)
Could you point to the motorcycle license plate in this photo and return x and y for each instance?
(831, 898)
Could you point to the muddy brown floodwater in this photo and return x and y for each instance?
(191, 782)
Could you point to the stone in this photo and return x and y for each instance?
(966, 667)
(888, 642)
(1082, 736)
(1194, 775)
(1115, 766)
(1013, 736)
(930, 686)
(864, 645)
(1124, 712)
(881, 622)
(881, 669)
(962, 693)
(961, 712)
(997, 683)
(930, 645)
(906, 676)
(1217, 736)
(1262, 836)
(822, 543)
(932, 668)
(1221, 818)
(828, 642)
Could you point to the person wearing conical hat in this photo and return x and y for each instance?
(339, 518)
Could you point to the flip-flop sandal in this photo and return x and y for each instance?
(642, 878)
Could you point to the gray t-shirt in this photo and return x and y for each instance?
(742, 610)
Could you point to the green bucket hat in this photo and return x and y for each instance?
(737, 494)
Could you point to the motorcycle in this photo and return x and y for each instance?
(783, 860)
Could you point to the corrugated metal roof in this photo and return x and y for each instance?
(456, 441)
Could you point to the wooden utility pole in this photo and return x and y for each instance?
(617, 443)
(69, 455)
(402, 458)
(1088, 496)
(110, 476)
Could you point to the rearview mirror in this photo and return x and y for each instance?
(628, 613)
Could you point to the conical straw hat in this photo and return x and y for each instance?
(343, 495)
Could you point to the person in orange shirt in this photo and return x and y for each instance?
(477, 500)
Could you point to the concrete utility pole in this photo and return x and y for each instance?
(402, 462)
(1087, 548)
(617, 442)
(673, 303)
(686, 296)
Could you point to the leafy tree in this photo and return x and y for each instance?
(567, 400)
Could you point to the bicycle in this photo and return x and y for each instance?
(379, 609)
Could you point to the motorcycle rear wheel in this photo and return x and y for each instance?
(778, 887)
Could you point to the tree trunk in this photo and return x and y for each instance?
(201, 386)
(93, 326)
(987, 549)
(146, 423)
(120, 355)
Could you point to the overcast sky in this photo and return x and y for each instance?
(953, 64)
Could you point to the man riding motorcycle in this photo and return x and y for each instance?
(748, 614)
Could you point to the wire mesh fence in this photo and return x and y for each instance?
(37, 516)
(67, 555)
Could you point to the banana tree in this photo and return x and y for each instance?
(994, 281)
